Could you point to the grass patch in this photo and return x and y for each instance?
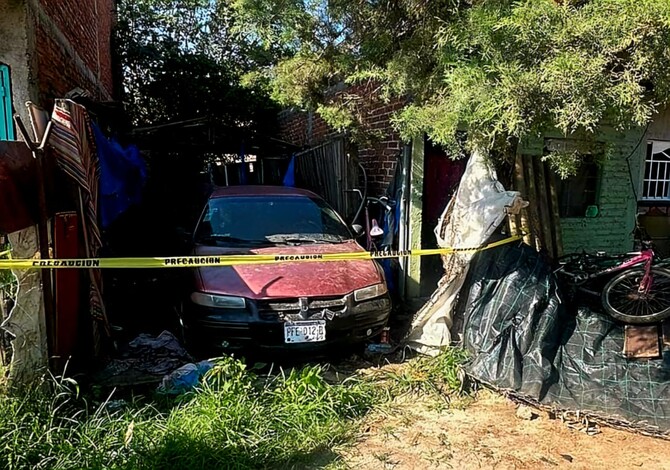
(236, 419)
(441, 376)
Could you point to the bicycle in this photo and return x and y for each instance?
(639, 293)
(372, 230)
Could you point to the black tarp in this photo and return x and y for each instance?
(525, 339)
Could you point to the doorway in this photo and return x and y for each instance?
(442, 175)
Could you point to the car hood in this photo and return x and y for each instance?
(287, 279)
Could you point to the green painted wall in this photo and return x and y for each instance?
(611, 230)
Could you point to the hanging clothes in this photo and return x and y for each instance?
(122, 176)
(74, 145)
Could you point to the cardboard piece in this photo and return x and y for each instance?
(642, 342)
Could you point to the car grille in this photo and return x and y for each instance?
(271, 309)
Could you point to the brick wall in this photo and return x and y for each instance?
(612, 229)
(379, 158)
(72, 47)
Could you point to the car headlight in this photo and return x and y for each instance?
(370, 292)
(217, 301)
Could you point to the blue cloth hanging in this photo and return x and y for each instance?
(289, 177)
(123, 174)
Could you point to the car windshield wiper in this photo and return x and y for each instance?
(225, 239)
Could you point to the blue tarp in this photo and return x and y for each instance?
(289, 177)
(122, 176)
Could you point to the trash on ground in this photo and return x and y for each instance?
(184, 379)
(146, 359)
(380, 348)
(526, 412)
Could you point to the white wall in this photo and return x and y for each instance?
(14, 52)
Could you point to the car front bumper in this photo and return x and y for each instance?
(213, 330)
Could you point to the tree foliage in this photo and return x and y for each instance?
(181, 61)
(501, 70)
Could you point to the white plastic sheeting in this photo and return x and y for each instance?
(473, 214)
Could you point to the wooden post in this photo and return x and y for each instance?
(520, 185)
(533, 212)
(543, 206)
(555, 214)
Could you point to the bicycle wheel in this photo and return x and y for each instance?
(623, 301)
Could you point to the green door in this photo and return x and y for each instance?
(6, 124)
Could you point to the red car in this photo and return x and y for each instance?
(288, 305)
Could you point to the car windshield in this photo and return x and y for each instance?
(268, 220)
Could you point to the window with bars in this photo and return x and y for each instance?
(656, 182)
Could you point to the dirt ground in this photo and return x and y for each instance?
(488, 434)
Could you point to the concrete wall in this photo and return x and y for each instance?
(26, 321)
(14, 52)
(659, 129)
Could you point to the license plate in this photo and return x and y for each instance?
(311, 331)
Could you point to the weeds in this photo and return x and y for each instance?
(441, 375)
(236, 419)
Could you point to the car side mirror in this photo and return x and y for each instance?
(358, 230)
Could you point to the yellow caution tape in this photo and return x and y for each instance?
(231, 260)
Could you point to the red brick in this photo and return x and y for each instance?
(380, 158)
(87, 27)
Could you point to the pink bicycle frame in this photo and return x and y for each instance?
(644, 256)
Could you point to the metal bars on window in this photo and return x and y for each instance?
(656, 183)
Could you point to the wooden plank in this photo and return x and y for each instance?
(543, 206)
(534, 215)
(520, 185)
(555, 215)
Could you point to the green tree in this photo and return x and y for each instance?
(181, 61)
(501, 70)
